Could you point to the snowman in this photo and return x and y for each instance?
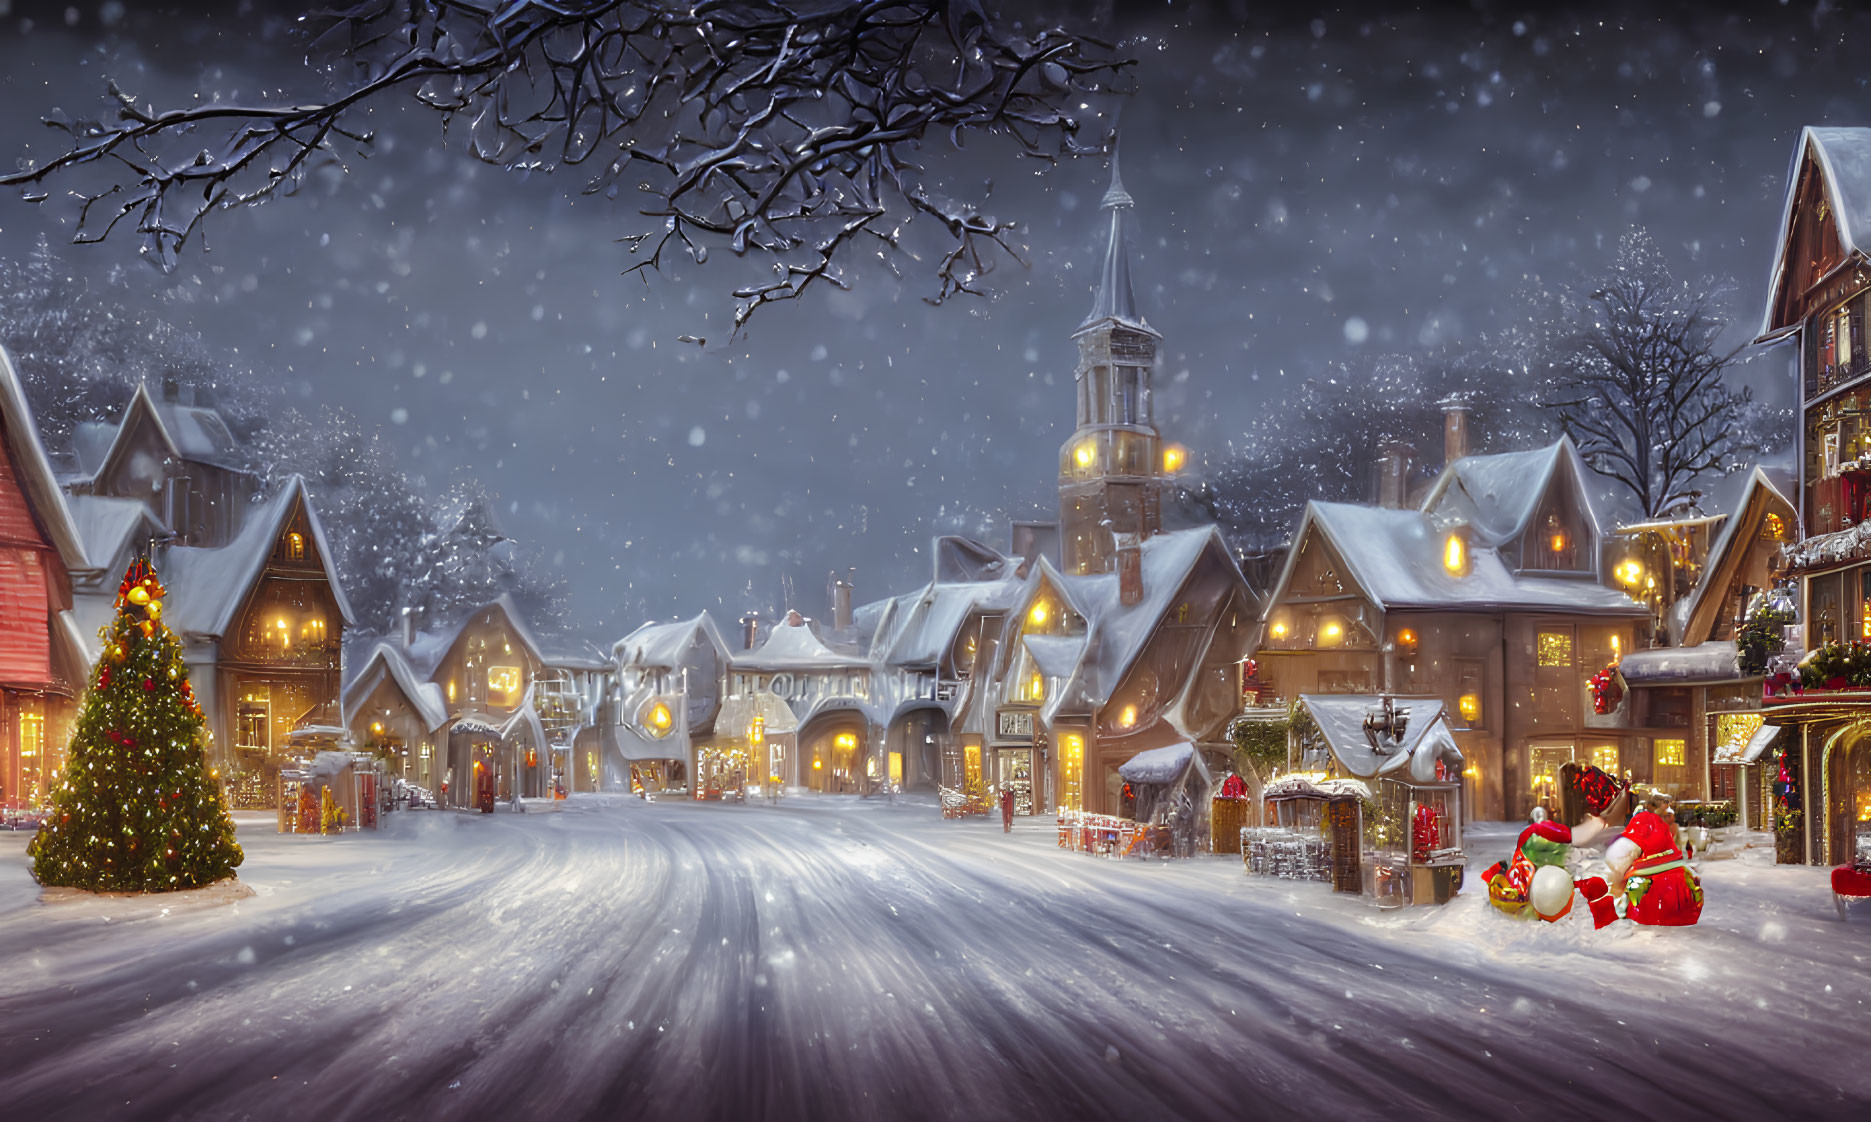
(1535, 882)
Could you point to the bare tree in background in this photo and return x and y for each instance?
(788, 129)
(1637, 380)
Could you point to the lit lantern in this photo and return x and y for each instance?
(1629, 572)
(1331, 631)
(1406, 639)
(1039, 613)
(1128, 717)
(659, 719)
(1455, 554)
(1279, 629)
(1469, 705)
(1085, 454)
(1173, 457)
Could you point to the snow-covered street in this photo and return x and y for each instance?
(830, 959)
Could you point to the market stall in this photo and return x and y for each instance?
(1403, 749)
(1315, 834)
(331, 792)
(1164, 811)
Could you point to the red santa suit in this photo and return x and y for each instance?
(1650, 868)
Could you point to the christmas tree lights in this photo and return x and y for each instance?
(136, 810)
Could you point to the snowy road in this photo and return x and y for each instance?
(831, 960)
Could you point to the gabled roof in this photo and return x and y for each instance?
(1497, 495)
(1728, 552)
(1843, 156)
(208, 586)
(930, 621)
(108, 527)
(795, 646)
(1411, 758)
(666, 645)
(435, 652)
(425, 698)
(1395, 557)
(188, 432)
(35, 469)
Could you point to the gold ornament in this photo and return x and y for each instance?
(138, 595)
(155, 609)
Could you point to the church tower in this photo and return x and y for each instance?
(1111, 472)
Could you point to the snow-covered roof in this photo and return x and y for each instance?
(1305, 787)
(666, 646)
(1411, 758)
(1396, 557)
(1844, 159)
(1055, 656)
(429, 650)
(425, 698)
(1118, 632)
(1748, 750)
(1158, 765)
(35, 467)
(1729, 549)
(1704, 662)
(107, 526)
(208, 585)
(928, 623)
(189, 432)
(1497, 495)
(794, 646)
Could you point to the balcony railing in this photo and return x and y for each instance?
(1830, 376)
(305, 656)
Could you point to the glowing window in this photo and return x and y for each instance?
(1279, 629)
(1071, 771)
(295, 546)
(1039, 613)
(1776, 527)
(1406, 639)
(503, 685)
(1605, 758)
(1331, 632)
(1173, 457)
(659, 720)
(1455, 554)
(1034, 689)
(1671, 753)
(1469, 705)
(1128, 717)
(1085, 454)
(1630, 572)
(1554, 648)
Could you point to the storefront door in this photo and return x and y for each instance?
(1849, 795)
(1016, 773)
(1546, 760)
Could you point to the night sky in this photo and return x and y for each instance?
(1306, 186)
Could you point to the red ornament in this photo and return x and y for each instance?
(149, 684)
(1607, 690)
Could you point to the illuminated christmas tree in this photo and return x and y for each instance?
(136, 810)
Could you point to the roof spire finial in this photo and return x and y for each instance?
(1115, 299)
(1115, 196)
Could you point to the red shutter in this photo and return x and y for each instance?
(25, 620)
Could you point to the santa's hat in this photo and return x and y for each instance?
(1547, 830)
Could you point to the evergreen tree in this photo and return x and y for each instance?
(136, 810)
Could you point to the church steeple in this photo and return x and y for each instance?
(1112, 470)
(1115, 298)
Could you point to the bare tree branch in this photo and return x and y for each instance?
(786, 129)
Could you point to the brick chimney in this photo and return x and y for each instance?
(1455, 417)
(1129, 575)
(750, 630)
(1393, 474)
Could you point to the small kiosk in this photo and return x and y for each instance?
(1404, 752)
(356, 782)
(1318, 826)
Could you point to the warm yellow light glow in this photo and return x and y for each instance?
(1629, 571)
(1331, 631)
(1558, 542)
(757, 731)
(1617, 649)
(845, 740)
(295, 546)
(817, 764)
(503, 685)
(1455, 554)
(1406, 638)
(451, 689)
(1036, 689)
(660, 719)
(1173, 457)
(1039, 613)
(1128, 717)
(1605, 758)
(1279, 630)
(1776, 527)
(376, 726)
(1085, 454)
(1071, 767)
(1469, 705)
(1471, 771)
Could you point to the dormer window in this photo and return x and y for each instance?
(295, 546)
(1455, 553)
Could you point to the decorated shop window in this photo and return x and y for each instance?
(503, 685)
(1071, 771)
(1554, 649)
(1605, 758)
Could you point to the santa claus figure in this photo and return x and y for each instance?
(1649, 865)
(1535, 882)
